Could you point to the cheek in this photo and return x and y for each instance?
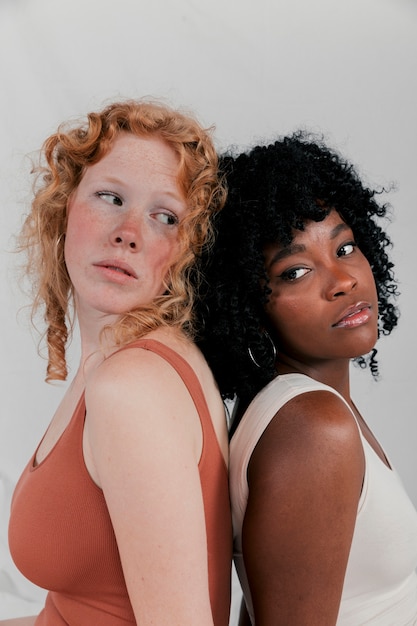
(283, 308)
(163, 256)
(82, 222)
(283, 315)
(374, 288)
(79, 236)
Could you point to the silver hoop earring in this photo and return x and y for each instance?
(271, 346)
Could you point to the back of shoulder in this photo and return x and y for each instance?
(165, 378)
(313, 430)
(136, 376)
(268, 402)
(293, 401)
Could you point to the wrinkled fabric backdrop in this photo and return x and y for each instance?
(254, 70)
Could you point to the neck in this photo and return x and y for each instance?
(96, 342)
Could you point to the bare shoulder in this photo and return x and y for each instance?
(136, 384)
(133, 383)
(147, 368)
(313, 436)
(129, 364)
(314, 421)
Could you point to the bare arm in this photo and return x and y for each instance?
(305, 478)
(145, 440)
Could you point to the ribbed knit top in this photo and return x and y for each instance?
(62, 539)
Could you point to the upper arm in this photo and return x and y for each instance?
(145, 440)
(305, 478)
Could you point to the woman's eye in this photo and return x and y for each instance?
(294, 273)
(346, 249)
(110, 197)
(167, 218)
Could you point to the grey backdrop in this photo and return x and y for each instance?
(255, 70)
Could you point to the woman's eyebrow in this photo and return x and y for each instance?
(284, 253)
(338, 229)
(295, 248)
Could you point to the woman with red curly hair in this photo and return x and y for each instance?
(123, 512)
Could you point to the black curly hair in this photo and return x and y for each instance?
(272, 190)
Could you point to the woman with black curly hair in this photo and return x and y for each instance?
(299, 284)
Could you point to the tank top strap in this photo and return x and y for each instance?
(190, 380)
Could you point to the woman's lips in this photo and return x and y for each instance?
(114, 267)
(355, 315)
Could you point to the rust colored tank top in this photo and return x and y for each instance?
(61, 536)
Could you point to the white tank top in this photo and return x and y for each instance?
(380, 587)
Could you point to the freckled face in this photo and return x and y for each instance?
(122, 228)
(323, 306)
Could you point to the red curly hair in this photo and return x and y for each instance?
(65, 155)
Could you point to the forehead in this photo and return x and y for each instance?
(330, 224)
(147, 162)
(130, 150)
(136, 165)
(313, 233)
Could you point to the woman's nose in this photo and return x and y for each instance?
(340, 283)
(126, 235)
(128, 241)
